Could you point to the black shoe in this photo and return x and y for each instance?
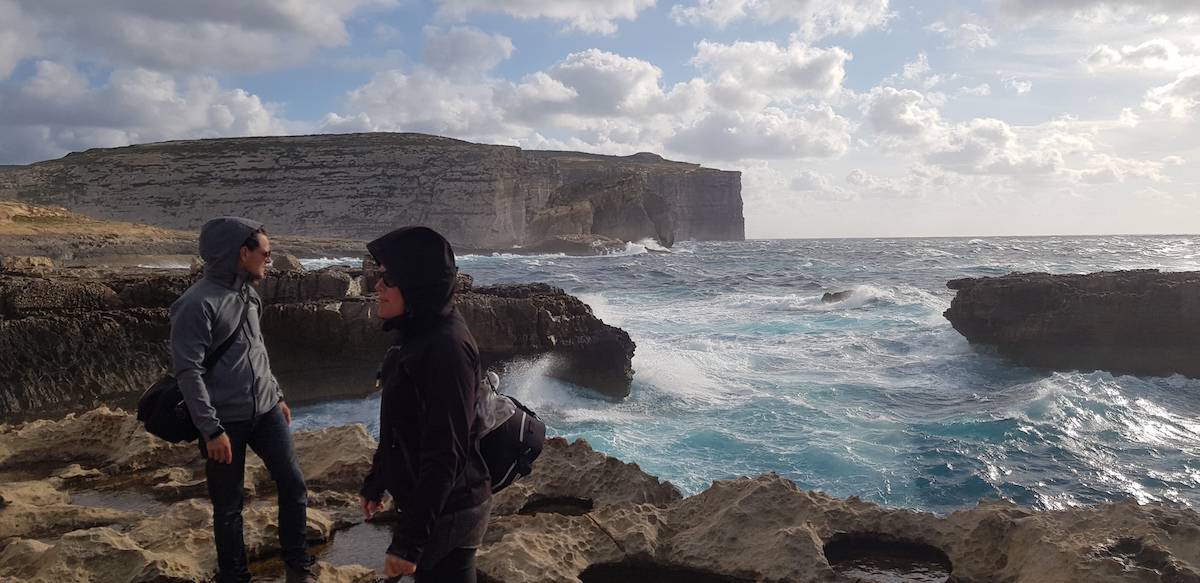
(305, 572)
(239, 578)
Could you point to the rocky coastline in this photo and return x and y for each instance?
(73, 338)
(93, 498)
(1140, 322)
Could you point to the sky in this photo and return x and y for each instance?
(847, 118)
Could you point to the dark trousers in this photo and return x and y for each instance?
(456, 567)
(449, 555)
(269, 437)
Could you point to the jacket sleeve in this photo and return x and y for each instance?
(374, 484)
(446, 381)
(191, 339)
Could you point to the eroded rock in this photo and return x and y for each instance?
(85, 337)
(748, 529)
(1126, 322)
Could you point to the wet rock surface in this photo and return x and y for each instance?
(1140, 322)
(636, 528)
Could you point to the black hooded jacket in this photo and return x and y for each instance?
(428, 456)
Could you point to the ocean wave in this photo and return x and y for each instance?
(861, 296)
(323, 262)
(165, 265)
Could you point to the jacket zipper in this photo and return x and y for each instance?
(250, 360)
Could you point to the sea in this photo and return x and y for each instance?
(742, 370)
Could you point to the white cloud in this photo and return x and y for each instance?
(1098, 10)
(807, 180)
(815, 132)
(817, 186)
(465, 50)
(1156, 54)
(869, 184)
(215, 35)
(599, 98)
(742, 69)
(981, 90)
(1180, 98)
(966, 35)
(916, 69)
(900, 112)
(594, 16)
(424, 101)
(607, 83)
(1108, 169)
(990, 146)
(58, 110)
(18, 40)
(815, 18)
(1020, 86)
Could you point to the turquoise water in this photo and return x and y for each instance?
(741, 370)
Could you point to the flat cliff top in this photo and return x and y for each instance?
(1127, 280)
(241, 145)
(363, 141)
(584, 159)
(28, 229)
(20, 219)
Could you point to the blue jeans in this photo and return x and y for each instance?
(269, 437)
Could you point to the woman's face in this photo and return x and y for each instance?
(391, 302)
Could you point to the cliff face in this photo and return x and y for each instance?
(361, 185)
(1127, 322)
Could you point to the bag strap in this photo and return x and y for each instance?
(216, 355)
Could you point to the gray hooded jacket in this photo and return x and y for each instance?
(239, 386)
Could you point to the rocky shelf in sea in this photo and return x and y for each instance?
(73, 338)
(1141, 322)
(93, 498)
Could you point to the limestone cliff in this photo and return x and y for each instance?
(361, 185)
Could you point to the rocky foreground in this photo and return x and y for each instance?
(94, 498)
(1140, 322)
(74, 338)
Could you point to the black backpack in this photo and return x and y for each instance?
(512, 435)
(161, 408)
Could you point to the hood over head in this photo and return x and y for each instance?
(421, 262)
(220, 246)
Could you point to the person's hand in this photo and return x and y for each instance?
(287, 412)
(370, 507)
(394, 567)
(220, 450)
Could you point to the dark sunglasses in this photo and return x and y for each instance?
(388, 279)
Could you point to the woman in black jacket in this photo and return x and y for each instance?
(428, 456)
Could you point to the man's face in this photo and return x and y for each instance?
(255, 261)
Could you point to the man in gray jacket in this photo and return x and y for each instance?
(237, 402)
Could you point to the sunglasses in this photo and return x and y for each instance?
(388, 279)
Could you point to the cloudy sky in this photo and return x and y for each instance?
(846, 117)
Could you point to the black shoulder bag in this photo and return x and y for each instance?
(162, 410)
